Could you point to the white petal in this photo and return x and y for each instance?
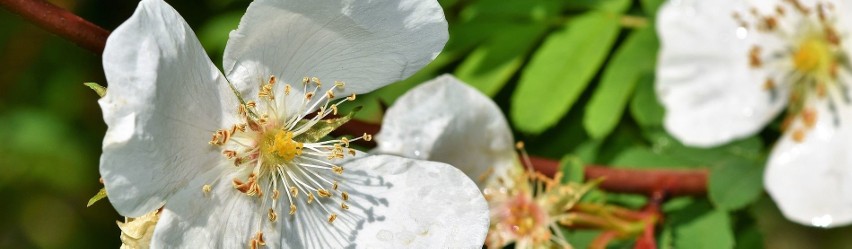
(400, 203)
(710, 93)
(811, 181)
(447, 121)
(365, 43)
(223, 218)
(161, 107)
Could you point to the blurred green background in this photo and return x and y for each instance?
(574, 77)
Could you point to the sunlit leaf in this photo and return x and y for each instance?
(514, 9)
(735, 184)
(100, 195)
(100, 90)
(637, 56)
(612, 6)
(560, 70)
(491, 65)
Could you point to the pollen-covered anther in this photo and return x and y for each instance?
(331, 218)
(329, 94)
(309, 96)
(809, 117)
(206, 188)
(220, 137)
(799, 135)
(275, 194)
(230, 154)
(323, 193)
(351, 97)
(257, 241)
(292, 209)
(344, 206)
(367, 137)
(272, 215)
(310, 197)
(754, 57)
(316, 80)
(294, 191)
(337, 169)
(339, 84)
(769, 84)
(287, 89)
(344, 195)
(334, 185)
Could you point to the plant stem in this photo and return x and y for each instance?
(60, 22)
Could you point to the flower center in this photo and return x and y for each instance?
(806, 67)
(813, 57)
(277, 151)
(278, 147)
(525, 216)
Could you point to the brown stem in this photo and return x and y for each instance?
(60, 22)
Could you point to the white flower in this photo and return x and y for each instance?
(728, 68)
(265, 179)
(446, 120)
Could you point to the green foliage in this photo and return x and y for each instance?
(735, 184)
(557, 74)
(634, 58)
(699, 226)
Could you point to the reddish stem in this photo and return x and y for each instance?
(603, 240)
(652, 212)
(639, 181)
(60, 22)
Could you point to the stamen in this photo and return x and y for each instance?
(331, 218)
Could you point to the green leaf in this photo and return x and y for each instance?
(560, 70)
(100, 195)
(324, 127)
(644, 107)
(650, 7)
(637, 56)
(513, 9)
(572, 168)
(491, 65)
(611, 6)
(699, 226)
(100, 90)
(735, 184)
(642, 157)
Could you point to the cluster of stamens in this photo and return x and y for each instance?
(528, 206)
(807, 68)
(274, 147)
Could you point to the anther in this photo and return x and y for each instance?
(305, 80)
(337, 169)
(275, 194)
(272, 215)
(323, 193)
(351, 97)
(754, 57)
(316, 80)
(292, 209)
(294, 191)
(230, 154)
(344, 206)
(206, 188)
(329, 94)
(367, 137)
(334, 185)
(344, 195)
(339, 84)
(287, 89)
(310, 197)
(309, 95)
(332, 217)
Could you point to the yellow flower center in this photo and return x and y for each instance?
(278, 147)
(812, 57)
